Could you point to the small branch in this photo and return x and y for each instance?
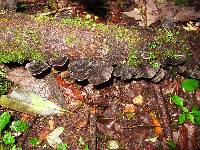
(93, 129)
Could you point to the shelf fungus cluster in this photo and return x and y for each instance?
(98, 71)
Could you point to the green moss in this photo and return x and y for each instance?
(12, 56)
(19, 56)
(71, 39)
(24, 46)
(43, 18)
(161, 45)
(4, 83)
(87, 23)
(120, 33)
(36, 55)
(132, 58)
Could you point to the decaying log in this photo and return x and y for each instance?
(99, 47)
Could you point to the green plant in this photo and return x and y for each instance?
(151, 56)
(62, 146)
(169, 35)
(86, 147)
(8, 138)
(190, 85)
(171, 145)
(152, 45)
(4, 83)
(193, 116)
(15, 148)
(180, 2)
(34, 141)
(7, 141)
(19, 126)
(4, 120)
(154, 64)
(132, 58)
(113, 144)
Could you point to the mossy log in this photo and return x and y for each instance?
(40, 37)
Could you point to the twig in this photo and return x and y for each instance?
(93, 129)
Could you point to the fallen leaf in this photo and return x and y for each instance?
(43, 134)
(129, 108)
(190, 27)
(28, 102)
(25, 117)
(53, 138)
(186, 14)
(152, 139)
(51, 124)
(138, 100)
(156, 123)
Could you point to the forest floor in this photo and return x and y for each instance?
(123, 115)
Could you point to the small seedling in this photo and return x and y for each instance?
(8, 138)
(19, 126)
(4, 83)
(34, 141)
(190, 85)
(86, 147)
(16, 126)
(113, 144)
(171, 145)
(152, 46)
(193, 116)
(169, 35)
(14, 147)
(4, 120)
(154, 64)
(62, 146)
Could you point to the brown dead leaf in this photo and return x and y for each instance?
(138, 100)
(190, 27)
(82, 123)
(51, 124)
(186, 14)
(156, 123)
(43, 134)
(152, 11)
(147, 13)
(129, 108)
(25, 117)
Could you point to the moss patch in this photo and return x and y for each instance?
(159, 46)
(4, 83)
(19, 56)
(22, 45)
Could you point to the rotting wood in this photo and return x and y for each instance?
(40, 38)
